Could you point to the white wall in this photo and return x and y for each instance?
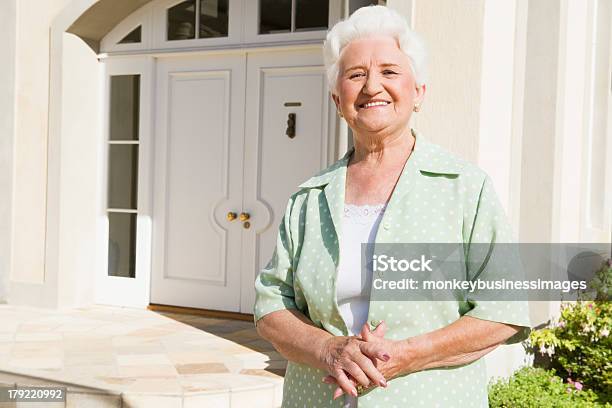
(80, 147)
(7, 103)
(31, 127)
(497, 95)
(453, 33)
(32, 279)
(498, 100)
(540, 110)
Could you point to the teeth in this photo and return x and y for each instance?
(367, 105)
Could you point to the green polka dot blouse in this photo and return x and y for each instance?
(438, 198)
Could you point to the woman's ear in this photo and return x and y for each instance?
(420, 93)
(336, 99)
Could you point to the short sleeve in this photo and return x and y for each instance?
(486, 259)
(274, 283)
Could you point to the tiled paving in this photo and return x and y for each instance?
(120, 357)
(240, 332)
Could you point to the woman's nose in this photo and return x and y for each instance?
(373, 85)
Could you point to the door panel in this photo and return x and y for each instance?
(276, 164)
(195, 175)
(198, 173)
(221, 149)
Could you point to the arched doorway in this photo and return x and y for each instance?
(203, 126)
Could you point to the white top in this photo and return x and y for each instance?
(359, 225)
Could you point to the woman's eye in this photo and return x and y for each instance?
(388, 72)
(356, 75)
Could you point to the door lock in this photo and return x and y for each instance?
(290, 126)
(244, 217)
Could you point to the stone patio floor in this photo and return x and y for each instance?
(124, 357)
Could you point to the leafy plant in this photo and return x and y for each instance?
(531, 387)
(578, 346)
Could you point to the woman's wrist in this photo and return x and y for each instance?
(321, 353)
(415, 354)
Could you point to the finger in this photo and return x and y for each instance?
(338, 389)
(329, 379)
(380, 330)
(374, 350)
(356, 372)
(367, 366)
(346, 384)
(365, 332)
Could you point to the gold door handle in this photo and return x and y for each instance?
(231, 216)
(244, 216)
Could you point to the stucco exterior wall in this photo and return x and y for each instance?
(7, 104)
(82, 144)
(453, 33)
(33, 19)
(31, 280)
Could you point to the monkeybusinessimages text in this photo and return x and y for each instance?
(386, 263)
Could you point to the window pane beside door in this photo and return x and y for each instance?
(311, 15)
(213, 18)
(123, 177)
(122, 245)
(122, 188)
(274, 16)
(124, 107)
(181, 21)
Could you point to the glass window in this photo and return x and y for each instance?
(124, 107)
(274, 16)
(182, 21)
(123, 176)
(213, 18)
(122, 188)
(311, 15)
(135, 36)
(357, 4)
(122, 245)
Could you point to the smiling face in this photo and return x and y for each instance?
(376, 90)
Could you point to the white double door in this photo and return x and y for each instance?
(221, 147)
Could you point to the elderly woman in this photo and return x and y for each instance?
(314, 305)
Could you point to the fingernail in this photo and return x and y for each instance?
(354, 392)
(383, 383)
(386, 357)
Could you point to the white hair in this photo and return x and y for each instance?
(370, 21)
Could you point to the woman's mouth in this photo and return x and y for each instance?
(374, 104)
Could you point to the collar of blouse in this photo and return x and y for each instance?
(427, 160)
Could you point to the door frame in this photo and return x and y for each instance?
(121, 290)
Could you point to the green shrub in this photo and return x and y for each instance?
(579, 345)
(531, 387)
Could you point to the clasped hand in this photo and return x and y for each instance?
(367, 360)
